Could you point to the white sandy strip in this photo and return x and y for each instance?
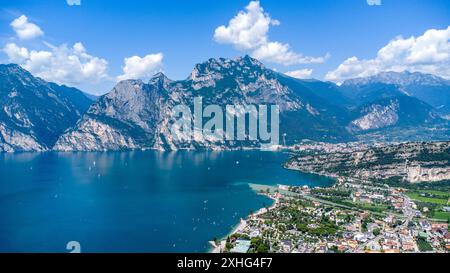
(241, 226)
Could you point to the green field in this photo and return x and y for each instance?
(367, 206)
(439, 193)
(423, 245)
(440, 197)
(442, 215)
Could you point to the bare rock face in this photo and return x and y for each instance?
(420, 174)
(12, 141)
(92, 135)
(125, 118)
(37, 115)
(378, 116)
(412, 162)
(33, 112)
(400, 110)
(137, 115)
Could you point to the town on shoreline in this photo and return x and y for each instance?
(351, 216)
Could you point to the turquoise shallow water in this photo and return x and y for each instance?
(132, 201)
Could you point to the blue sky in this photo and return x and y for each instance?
(326, 32)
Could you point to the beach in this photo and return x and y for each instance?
(242, 225)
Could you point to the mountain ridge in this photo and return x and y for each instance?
(134, 114)
(34, 113)
(240, 81)
(429, 88)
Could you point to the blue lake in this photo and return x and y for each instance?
(132, 201)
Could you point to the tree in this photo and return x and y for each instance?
(262, 248)
(228, 246)
(376, 232)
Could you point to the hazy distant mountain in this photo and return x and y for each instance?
(359, 94)
(33, 112)
(396, 99)
(405, 78)
(426, 87)
(328, 91)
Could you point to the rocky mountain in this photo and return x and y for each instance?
(429, 88)
(37, 115)
(34, 113)
(125, 118)
(398, 110)
(406, 162)
(392, 99)
(137, 115)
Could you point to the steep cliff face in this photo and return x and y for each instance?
(137, 115)
(377, 116)
(33, 112)
(400, 110)
(413, 162)
(36, 115)
(419, 174)
(15, 141)
(125, 118)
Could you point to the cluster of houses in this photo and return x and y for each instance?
(359, 231)
(329, 147)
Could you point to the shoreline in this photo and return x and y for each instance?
(243, 223)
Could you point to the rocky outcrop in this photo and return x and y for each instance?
(413, 162)
(421, 174)
(12, 140)
(377, 116)
(397, 111)
(125, 118)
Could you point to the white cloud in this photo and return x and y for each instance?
(300, 74)
(16, 54)
(73, 2)
(374, 2)
(282, 54)
(141, 68)
(24, 29)
(428, 53)
(248, 31)
(60, 64)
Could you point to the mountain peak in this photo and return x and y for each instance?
(159, 75)
(249, 61)
(218, 68)
(159, 80)
(13, 69)
(130, 84)
(9, 65)
(403, 78)
(15, 72)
